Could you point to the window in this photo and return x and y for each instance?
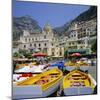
(52, 44)
(34, 45)
(24, 46)
(30, 45)
(44, 36)
(69, 43)
(52, 53)
(32, 39)
(45, 44)
(39, 45)
(29, 39)
(74, 35)
(60, 53)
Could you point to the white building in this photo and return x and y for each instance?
(79, 38)
(81, 35)
(46, 42)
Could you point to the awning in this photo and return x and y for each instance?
(39, 54)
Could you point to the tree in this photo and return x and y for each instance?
(66, 54)
(16, 54)
(25, 53)
(94, 46)
(28, 55)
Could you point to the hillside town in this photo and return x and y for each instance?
(54, 62)
(79, 38)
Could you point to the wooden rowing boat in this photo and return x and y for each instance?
(78, 83)
(73, 65)
(41, 85)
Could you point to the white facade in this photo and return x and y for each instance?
(46, 42)
(80, 34)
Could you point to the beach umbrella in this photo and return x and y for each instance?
(76, 54)
(39, 54)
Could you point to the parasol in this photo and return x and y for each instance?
(39, 54)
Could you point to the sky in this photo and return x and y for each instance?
(54, 14)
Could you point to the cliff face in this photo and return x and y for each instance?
(91, 13)
(24, 23)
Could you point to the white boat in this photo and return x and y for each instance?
(41, 85)
(78, 83)
(32, 69)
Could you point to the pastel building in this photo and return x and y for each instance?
(80, 36)
(46, 42)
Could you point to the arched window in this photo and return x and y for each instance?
(44, 36)
(30, 45)
(29, 39)
(52, 53)
(39, 44)
(34, 45)
(45, 44)
(24, 46)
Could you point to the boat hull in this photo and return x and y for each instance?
(78, 91)
(78, 83)
(83, 68)
(24, 92)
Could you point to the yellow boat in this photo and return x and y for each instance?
(73, 65)
(18, 66)
(41, 85)
(78, 83)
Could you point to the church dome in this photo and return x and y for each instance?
(47, 28)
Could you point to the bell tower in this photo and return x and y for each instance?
(47, 28)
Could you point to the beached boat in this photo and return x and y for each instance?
(80, 65)
(32, 69)
(19, 66)
(20, 77)
(41, 85)
(78, 83)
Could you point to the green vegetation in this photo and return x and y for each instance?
(25, 53)
(66, 54)
(94, 46)
(91, 13)
(16, 55)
